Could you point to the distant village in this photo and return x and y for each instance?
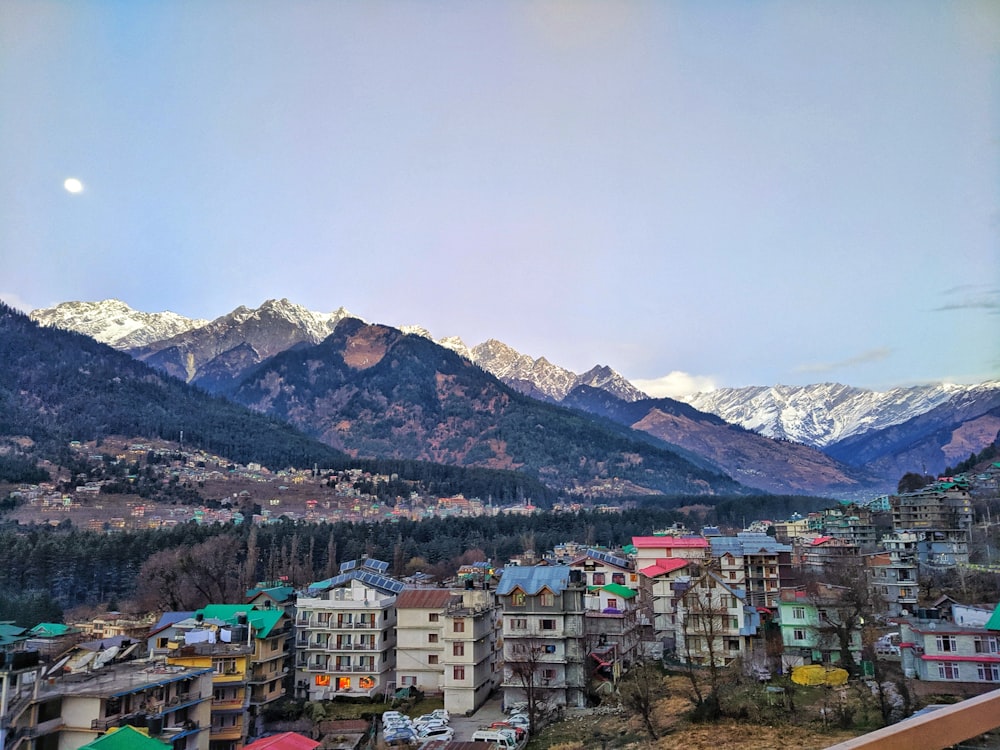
(841, 592)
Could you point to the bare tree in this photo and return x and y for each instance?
(525, 661)
(703, 611)
(639, 691)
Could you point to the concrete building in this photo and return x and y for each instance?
(893, 573)
(345, 633)
(59, 710)
(941, 517)
(966, 656)
(543, 635)
(714, 623)
(806, 619)
(754, 562)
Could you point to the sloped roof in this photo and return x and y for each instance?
(532, 579)
(664, 565)
(994, 622)
(618, 590)
(667, 542)
(423, 599)
(52, 630)
(283, 741)
(260, 620)
(126, 738)
(278, 593)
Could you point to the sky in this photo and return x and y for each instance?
(697, 194)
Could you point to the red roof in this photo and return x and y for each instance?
(666, 542)
(423, 599)
(664, 565)
(821, 540)
(284, 741)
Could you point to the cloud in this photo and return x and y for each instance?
(971, 297)
(675, 385)
(15, 301)
(864, 358)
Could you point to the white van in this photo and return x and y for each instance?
(501, 739)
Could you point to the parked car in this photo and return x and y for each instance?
(401, 735)
(519, 720)
(442, 714)
(437, 733)
(424, 727)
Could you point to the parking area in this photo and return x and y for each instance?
(465, 726)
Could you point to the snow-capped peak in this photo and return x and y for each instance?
(113, 322)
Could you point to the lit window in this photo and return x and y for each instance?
(517, 598)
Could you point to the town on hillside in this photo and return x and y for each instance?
(848, 596)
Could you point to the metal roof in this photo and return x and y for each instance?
(532, 579)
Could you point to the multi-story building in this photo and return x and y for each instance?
(965, 655)
(345, 633)
(59, 710)
(824, 553)
(543, 635)
(893, 572)
(714, 623)
(420, 644)
(472, 641)
(613, 618)
(662, 585)
(941, 517)
(809, 627)
(755, 563)
(649, 549)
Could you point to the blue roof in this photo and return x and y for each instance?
(746, 543)
(532, 579)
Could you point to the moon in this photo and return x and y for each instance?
(73, 185)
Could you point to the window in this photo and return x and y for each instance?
(987, 644)
(548, 674)
(612, 603)
(598, 579)
(432, 659)
(798, 634)
(548, 624)
(458, 649)
(518, 623)
(432, 617)
(547, 599)
(432, 637)
(407, 679)
(458, 673)
(946, 643)
(458, 626)
(517, 598)
(798, 613)
(948, 670)
(988, 672)
(904, 592)
(618, 578)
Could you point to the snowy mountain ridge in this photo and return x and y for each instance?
(825, 413)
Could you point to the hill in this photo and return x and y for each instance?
(372, 390)
(754, 460)
(58, 386)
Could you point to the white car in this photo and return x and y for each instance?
(421, 728)
(438, 733)
(441, 714)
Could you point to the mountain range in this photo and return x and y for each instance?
(821, 438)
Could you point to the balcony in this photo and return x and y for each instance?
(226, 733)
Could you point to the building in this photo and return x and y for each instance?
(966, 656)
(73, 702)
(244, 648)
(420, 644)
(715, 624)
(825, 553)
(662, 585)
(941, 517)
(893, 573)
(471, 631)
(543, 635)
(754, 562)
(345, 633)
(649, 549)
(810, 627)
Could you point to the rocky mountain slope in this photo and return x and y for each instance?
(780, 467)
(371, 390)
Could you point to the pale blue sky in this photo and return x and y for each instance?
(734, 192)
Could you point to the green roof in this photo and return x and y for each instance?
(52, 629)
(618, 590)
(629, 549)
(260, 620)
(125, 738)
(994, 622)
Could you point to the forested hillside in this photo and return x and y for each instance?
(52, 569)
